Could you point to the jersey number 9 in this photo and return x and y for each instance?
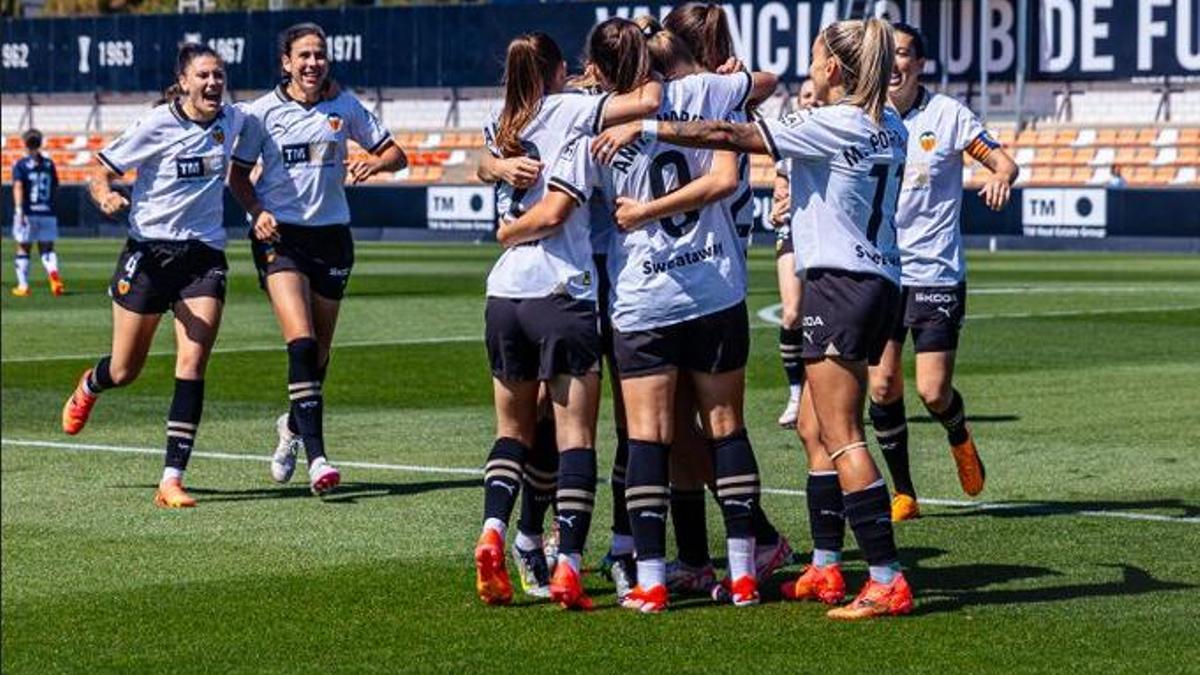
(658, 188)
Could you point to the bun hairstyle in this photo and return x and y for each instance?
(188, 52)
(669, 54)
(530, 65)
(704, 28)
(865, 50)
(617, 47)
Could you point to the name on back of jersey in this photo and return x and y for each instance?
(879, 141)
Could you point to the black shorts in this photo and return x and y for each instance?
(603, 298)
(935, 315)
(849, 315)
(713, 343)
(539, 338)
(783, 241)
(151, 276)
(324, 254)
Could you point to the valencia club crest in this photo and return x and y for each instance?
(218, 135)
(335, 122)
(928, 141)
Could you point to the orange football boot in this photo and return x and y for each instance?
(57, 287)
(21, 291)
(876, 599)
(171, 495)
(78, 407)
(824, 584)
(647, 601)
(491, 577)
(971, 473)
(905, 507)
(566, 588)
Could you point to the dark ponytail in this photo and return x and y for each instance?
(188, 51)
(530, 65)
(704, 27)
(618, 48)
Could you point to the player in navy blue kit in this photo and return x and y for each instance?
(174, 258)
(302, 244)
(35, 182)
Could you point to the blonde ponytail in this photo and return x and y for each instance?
(865, 49)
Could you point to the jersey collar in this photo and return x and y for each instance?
(177, 111)
(919, 104)
(282, 92)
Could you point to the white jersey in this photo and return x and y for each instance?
(741, 202)
(181, 165)
(303, 150)
(845, 180)
(940, 128)
(678, 268)
(562, 262)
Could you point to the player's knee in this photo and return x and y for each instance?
(935, 395)
(886, 390)
(810, 434)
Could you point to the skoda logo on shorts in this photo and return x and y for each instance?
(340, 272)
(936, 298)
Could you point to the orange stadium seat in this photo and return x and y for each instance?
(1147, 135)
(1080, 175)
(1027, 138)
(1127, 136)
(1045, 137)
(1007, 137)
(1106, 137)
(1189, 136)
(1065, 137)
(1188, 155)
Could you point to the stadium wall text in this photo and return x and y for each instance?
(468, 212)
(463, 45)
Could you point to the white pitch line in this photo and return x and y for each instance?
(770, 314)
(277, 347)
(463, 471)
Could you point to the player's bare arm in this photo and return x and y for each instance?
(537, 223)
(997, 189)
(717, 184)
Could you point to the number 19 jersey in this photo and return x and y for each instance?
(674, 269)
(562, 262)
(846, 172)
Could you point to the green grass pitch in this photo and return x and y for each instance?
(1080, 373)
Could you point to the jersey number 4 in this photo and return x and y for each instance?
(883, 184)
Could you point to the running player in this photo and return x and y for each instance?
(932, 268)
(541, 309)
(678, 305)
(791, 338)
(703, 28)
(848, 160)
(174, 258)
(301, 237)
(35, 183)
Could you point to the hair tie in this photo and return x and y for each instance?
(650, 30)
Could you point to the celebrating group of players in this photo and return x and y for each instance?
(625, 212)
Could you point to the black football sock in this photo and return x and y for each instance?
(826, 515)
(869, 513)
(791, 344)
(182, 421)
(648, 497)
(737, 483)
(765, 533)
(576, 497)
(502, 479)
(691, 526)
(99, 378)
(307, 401)
(954, 419)
(620, 514)
(291, 418)
(540, 477)
(891, 431)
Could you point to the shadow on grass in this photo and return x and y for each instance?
(1031, 508)
(983, 419)
(950, 589)
(346, 493)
